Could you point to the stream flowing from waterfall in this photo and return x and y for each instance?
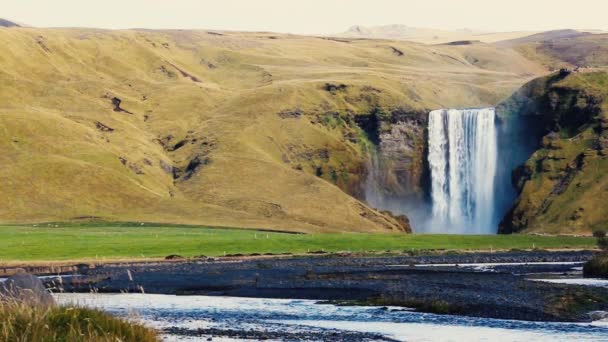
(462, 160)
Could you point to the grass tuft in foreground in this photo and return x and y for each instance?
(23, 323)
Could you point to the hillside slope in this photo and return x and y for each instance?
(563, 186)
(232, 129)
(8, 23)
(564, 49)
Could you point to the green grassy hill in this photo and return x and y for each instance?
(564, 185)
(231, 129)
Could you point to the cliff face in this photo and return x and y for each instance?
(397, 168)
(563, 186)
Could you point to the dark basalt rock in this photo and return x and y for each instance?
(396, 51)
(291, 114)
(503, 293)
(103, 128)
(314, 334)
(333, 88)
(174, 257)
(193, 166)
(116, 103)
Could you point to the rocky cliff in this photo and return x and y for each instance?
(563, 185)
(397, 173)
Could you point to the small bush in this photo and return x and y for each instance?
(20, 322)
(602, 241)
(603, 244)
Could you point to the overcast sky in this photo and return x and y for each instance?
(310, 16)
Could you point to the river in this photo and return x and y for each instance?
(289, 319)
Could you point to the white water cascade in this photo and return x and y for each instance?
(462, 162)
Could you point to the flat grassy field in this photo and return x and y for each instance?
(130, 241)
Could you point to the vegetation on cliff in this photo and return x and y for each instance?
(563, 184)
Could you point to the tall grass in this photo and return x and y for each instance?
(24, 323)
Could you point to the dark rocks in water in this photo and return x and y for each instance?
(313, 334)
(598, 315)
(503, 293)
(27, 289)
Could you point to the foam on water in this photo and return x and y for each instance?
(302, 315)
(577, 281)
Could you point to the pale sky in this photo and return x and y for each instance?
(310, 16)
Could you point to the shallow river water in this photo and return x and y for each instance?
(307, 316)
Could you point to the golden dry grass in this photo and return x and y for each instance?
(220, 93)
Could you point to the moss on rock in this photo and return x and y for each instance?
(562, 184)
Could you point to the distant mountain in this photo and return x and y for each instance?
(546, 36)
(563, 48)
(427, 35)
(8, 23)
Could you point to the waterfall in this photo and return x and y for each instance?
(462, 162)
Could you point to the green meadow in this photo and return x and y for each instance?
(104, 241)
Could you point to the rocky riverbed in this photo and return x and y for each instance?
(493, 285)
